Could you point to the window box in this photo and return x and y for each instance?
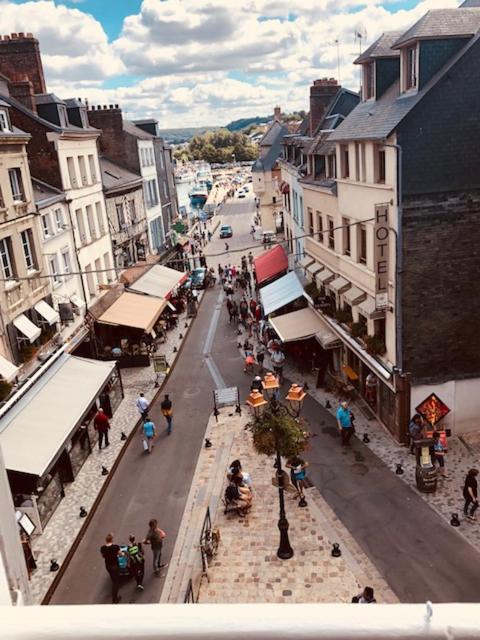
(375, 345)
(358, 329)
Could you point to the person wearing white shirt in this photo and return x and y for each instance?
(142, 405)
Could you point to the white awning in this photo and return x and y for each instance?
(313, 269)
(305, 261)
(325, 276)
(354, 295)
(159, 281)
(327, 338)
(298, 325)
(281, 292)
(339, 285)
(35, 430)
(26, 326)
(8, 370)
(78, 302)
(367, 308)
(47, 312)
(134, 310)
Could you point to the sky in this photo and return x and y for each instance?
(203, 62)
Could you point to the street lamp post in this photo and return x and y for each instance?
(258, 406)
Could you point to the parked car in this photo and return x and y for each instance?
(241, 194)
(226, 231)
(196, 279)
(268, 237)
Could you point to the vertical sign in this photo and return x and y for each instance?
(381, 256)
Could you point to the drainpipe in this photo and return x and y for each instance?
(399, 261)
(84, 293)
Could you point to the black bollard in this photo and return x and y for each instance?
(104, 471)
(454, 521)
(336, 553)
(208, 444)
(327, 404)
(302, 502)
(83, 512)
(123, 436)
(54, 566)
(366, 438)
(399, 470)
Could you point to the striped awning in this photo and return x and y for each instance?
(339, 285)
(367, 308)
(354, 295)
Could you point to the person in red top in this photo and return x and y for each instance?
(102, 425)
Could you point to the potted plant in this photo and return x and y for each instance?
(311, 290)
(375, 345)
(5, 388)
(343, 316)
(358, 329)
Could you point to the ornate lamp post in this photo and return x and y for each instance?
(270, 413)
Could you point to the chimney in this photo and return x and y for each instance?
(277, 114)
(20, 56)
(110, 122)
(322, 93)
(22, 90)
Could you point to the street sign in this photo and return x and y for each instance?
(228, 395)
(160, 364)
(381, 256)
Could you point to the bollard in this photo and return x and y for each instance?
(454, 521)
(83, 512)
(302, 502)
(104, 471)
(366, 438)
(54, 566)
(208, 444)
(336, 553)
(123, 436)
(399, 470)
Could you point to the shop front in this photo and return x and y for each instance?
(48, 434)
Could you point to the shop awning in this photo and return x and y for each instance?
(313, 269)
(354, 295)
(327, 338)
(270, 264)
(36, 429)
(8, 370)
(367, 308)
(78, 302)
(325, 276)
(339, 285)
(159, 281)
(298, 325)
(47, 312)
(281, 292)
(305, 261)
(26, 326)
(134, 310)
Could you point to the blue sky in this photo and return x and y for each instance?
(202, 62)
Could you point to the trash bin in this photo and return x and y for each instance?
(425, 471)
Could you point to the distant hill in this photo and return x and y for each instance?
(177, 136)
(243, 123)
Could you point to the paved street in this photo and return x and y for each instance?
(419, 555)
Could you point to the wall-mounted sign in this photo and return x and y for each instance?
(381, 256)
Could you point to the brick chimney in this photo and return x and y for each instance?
(22, 90)
(277, 114)
(108, 118)
(322, 93)
(20, 59)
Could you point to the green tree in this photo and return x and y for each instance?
(279, 432)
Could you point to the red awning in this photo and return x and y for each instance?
(270, 264)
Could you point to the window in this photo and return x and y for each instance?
(53, 267)
(91, 222)
(100, 273)
(83, 170)
(6, 258)
(300, 211)
(27, 244)
(47, 226)
(59, 221)
(66, 262)
(4, 121)
(93, 170)
(2, 201)
(80, 226)
(319, 227)
(63, 118)
(90, 281)
(369, 81)
(310, 221)
(162, 163)
(121, 216)
(101, 226)
(133, 211)
(379, 165)
(72, 174)
(410, 68)
(379, 328)
(16, 184)
(346, 236)
(357, 161)
(108, 265)
(362, 244)
(331, 166)
(363, 162)
(345, 161)
(151, 193)
(331, 236)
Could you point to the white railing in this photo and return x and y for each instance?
(242, 622)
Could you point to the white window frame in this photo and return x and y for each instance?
(410, 74)
(28, 252)
(6, 262)
(47, 226)
(59, 219)
(93, 168)
(100, 219)
(54, 272)
(82, 165)
(16, 184)
(4, 121)
(66, 262)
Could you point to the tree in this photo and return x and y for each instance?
(219, 146)
(279, 432)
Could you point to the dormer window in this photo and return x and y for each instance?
(410, 66)
(4, 121)
(369, 81)
(62, 113)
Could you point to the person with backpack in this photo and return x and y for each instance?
(136, 561)
(167, 411)
(155, 538)
(367, 596)
(148, 434)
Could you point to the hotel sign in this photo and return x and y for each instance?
(381, 256)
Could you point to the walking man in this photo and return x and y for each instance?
(136, 559)
(110, 553)
(155, 537)
(102, 425)
(148, 433)
(470, 494)
(167, 411)
(142, 405)
(344, 421)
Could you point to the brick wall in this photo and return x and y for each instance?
(322, 93)
(440, 294)
(114, 142)
(20, 59)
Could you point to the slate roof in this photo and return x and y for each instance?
(271, 134)
(48, 98)
(381, 48)
(442, 23)
(116, 177)
(44, 194)
(268, 161)
(469, 4)
(130, 128)
(74, 102)
(376, 120)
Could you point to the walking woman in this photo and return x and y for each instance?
(470, 494)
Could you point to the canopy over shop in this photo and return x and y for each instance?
(47, 435)
(159, 281)
(277, 294)
(270, 265)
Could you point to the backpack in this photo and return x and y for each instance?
(231, 493)
(135, 553)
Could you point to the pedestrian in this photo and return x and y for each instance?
(252, 231)
(298, 474)
(235, 312)
(439, 453)
(470, 494)
(167, 411)
(243, 308)
(102, 425)
(278, 358)
(247, 348)
(365, 597)
(253, 306)
(155, 537)
(209, 235)
(230, 310)
(220, 273)
(260, 354)
(250, 256)
(148, 434)
(257, 384)
(344, 421)
(244, 263)
(142, 405)
(110, 553)
(136, 559)
(226, 246)
(415, 431)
